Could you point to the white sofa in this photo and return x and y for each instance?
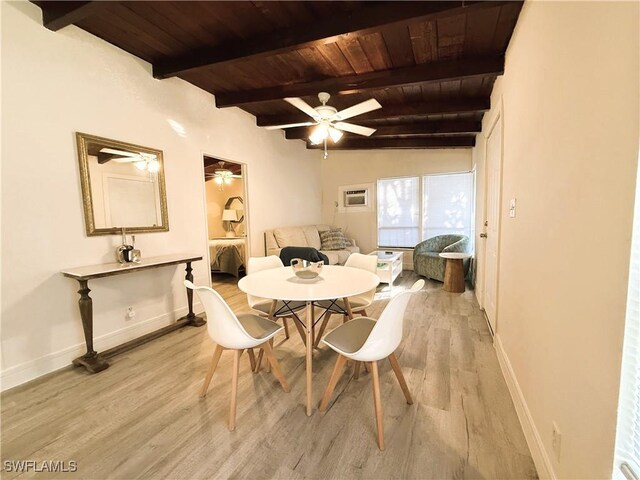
(305, 236)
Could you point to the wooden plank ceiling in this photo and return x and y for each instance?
(431, 65)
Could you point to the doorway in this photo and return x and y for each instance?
(493, 184)
(225, 192)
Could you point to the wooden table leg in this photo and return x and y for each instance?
(193, 319)
(454, 276)
(309, 346)
(348, 307)
(91, 360)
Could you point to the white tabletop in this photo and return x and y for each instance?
(115, 268)
(334, 282)
(455, 255)
(382, 255)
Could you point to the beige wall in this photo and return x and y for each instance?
(216, 200)
(367, 166)
(570, 97)
(57, 83)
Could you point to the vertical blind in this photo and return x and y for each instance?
(398, 212)
(627, 462)
(412, 209)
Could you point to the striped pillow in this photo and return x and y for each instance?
(333, 240)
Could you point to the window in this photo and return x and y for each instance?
(398, 212)
(412, 209)
(447, 202)
(627, 461)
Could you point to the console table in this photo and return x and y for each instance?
(95, 362)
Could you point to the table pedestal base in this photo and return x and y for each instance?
(454, 276)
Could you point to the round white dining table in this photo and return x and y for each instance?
(334, 282)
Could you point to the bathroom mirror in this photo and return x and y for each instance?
(122, 186)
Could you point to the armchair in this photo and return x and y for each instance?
(426, 259)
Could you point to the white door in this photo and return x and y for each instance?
(492, 222)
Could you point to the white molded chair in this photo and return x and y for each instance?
(263, 306)
(357, 303)
(364, 339)
(237, 333)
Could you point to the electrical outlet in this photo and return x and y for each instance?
(131, 313)
(556, 440)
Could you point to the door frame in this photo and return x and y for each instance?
(498, 117)
(245, 186)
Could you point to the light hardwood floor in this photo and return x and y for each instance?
(142, 417)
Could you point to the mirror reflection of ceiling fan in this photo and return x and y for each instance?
(142, 160)
(328, 121)
(222, 175)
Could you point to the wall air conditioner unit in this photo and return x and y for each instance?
(356, 198)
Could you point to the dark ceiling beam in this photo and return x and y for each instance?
(59, 14)
(432, 107)
(443, 71)
(381, 143)
(322, 31)
(444, 127)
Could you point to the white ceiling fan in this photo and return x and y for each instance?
(328, 120)
(222, 175)
(142, 160)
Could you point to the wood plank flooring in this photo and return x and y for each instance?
(142, 417)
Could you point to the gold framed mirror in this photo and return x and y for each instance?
(122, 186)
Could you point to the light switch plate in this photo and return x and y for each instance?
(512, 208)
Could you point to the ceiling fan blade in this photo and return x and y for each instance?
(358, 109)
(290, 125)
(357, 129)
(302, 105)
(113, 151)
(124, 159)
(236, 176)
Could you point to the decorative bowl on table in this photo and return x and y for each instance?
(305, 269)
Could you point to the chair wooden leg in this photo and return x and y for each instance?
(259, 360)
(252, 359)
(366, 367)
(277, 372)
(268, 365)
(393, 360)
(212, 368)
(356, 370)
(234, 389)
(323, 325)
(335, 375)
(345, 319)
(301, 331)
(363, 313)
(285, 322)
(377, 402)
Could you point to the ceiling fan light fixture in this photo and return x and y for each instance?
(153, 166)
(335, 134)
(141, 165)
(218, 180)
(320, 133)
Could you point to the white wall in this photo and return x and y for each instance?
(570, 96)
(55, 84)
(367, 166)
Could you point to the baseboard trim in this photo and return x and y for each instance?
(531, 433)
(25, 372)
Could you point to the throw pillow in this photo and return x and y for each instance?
(334, 240)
